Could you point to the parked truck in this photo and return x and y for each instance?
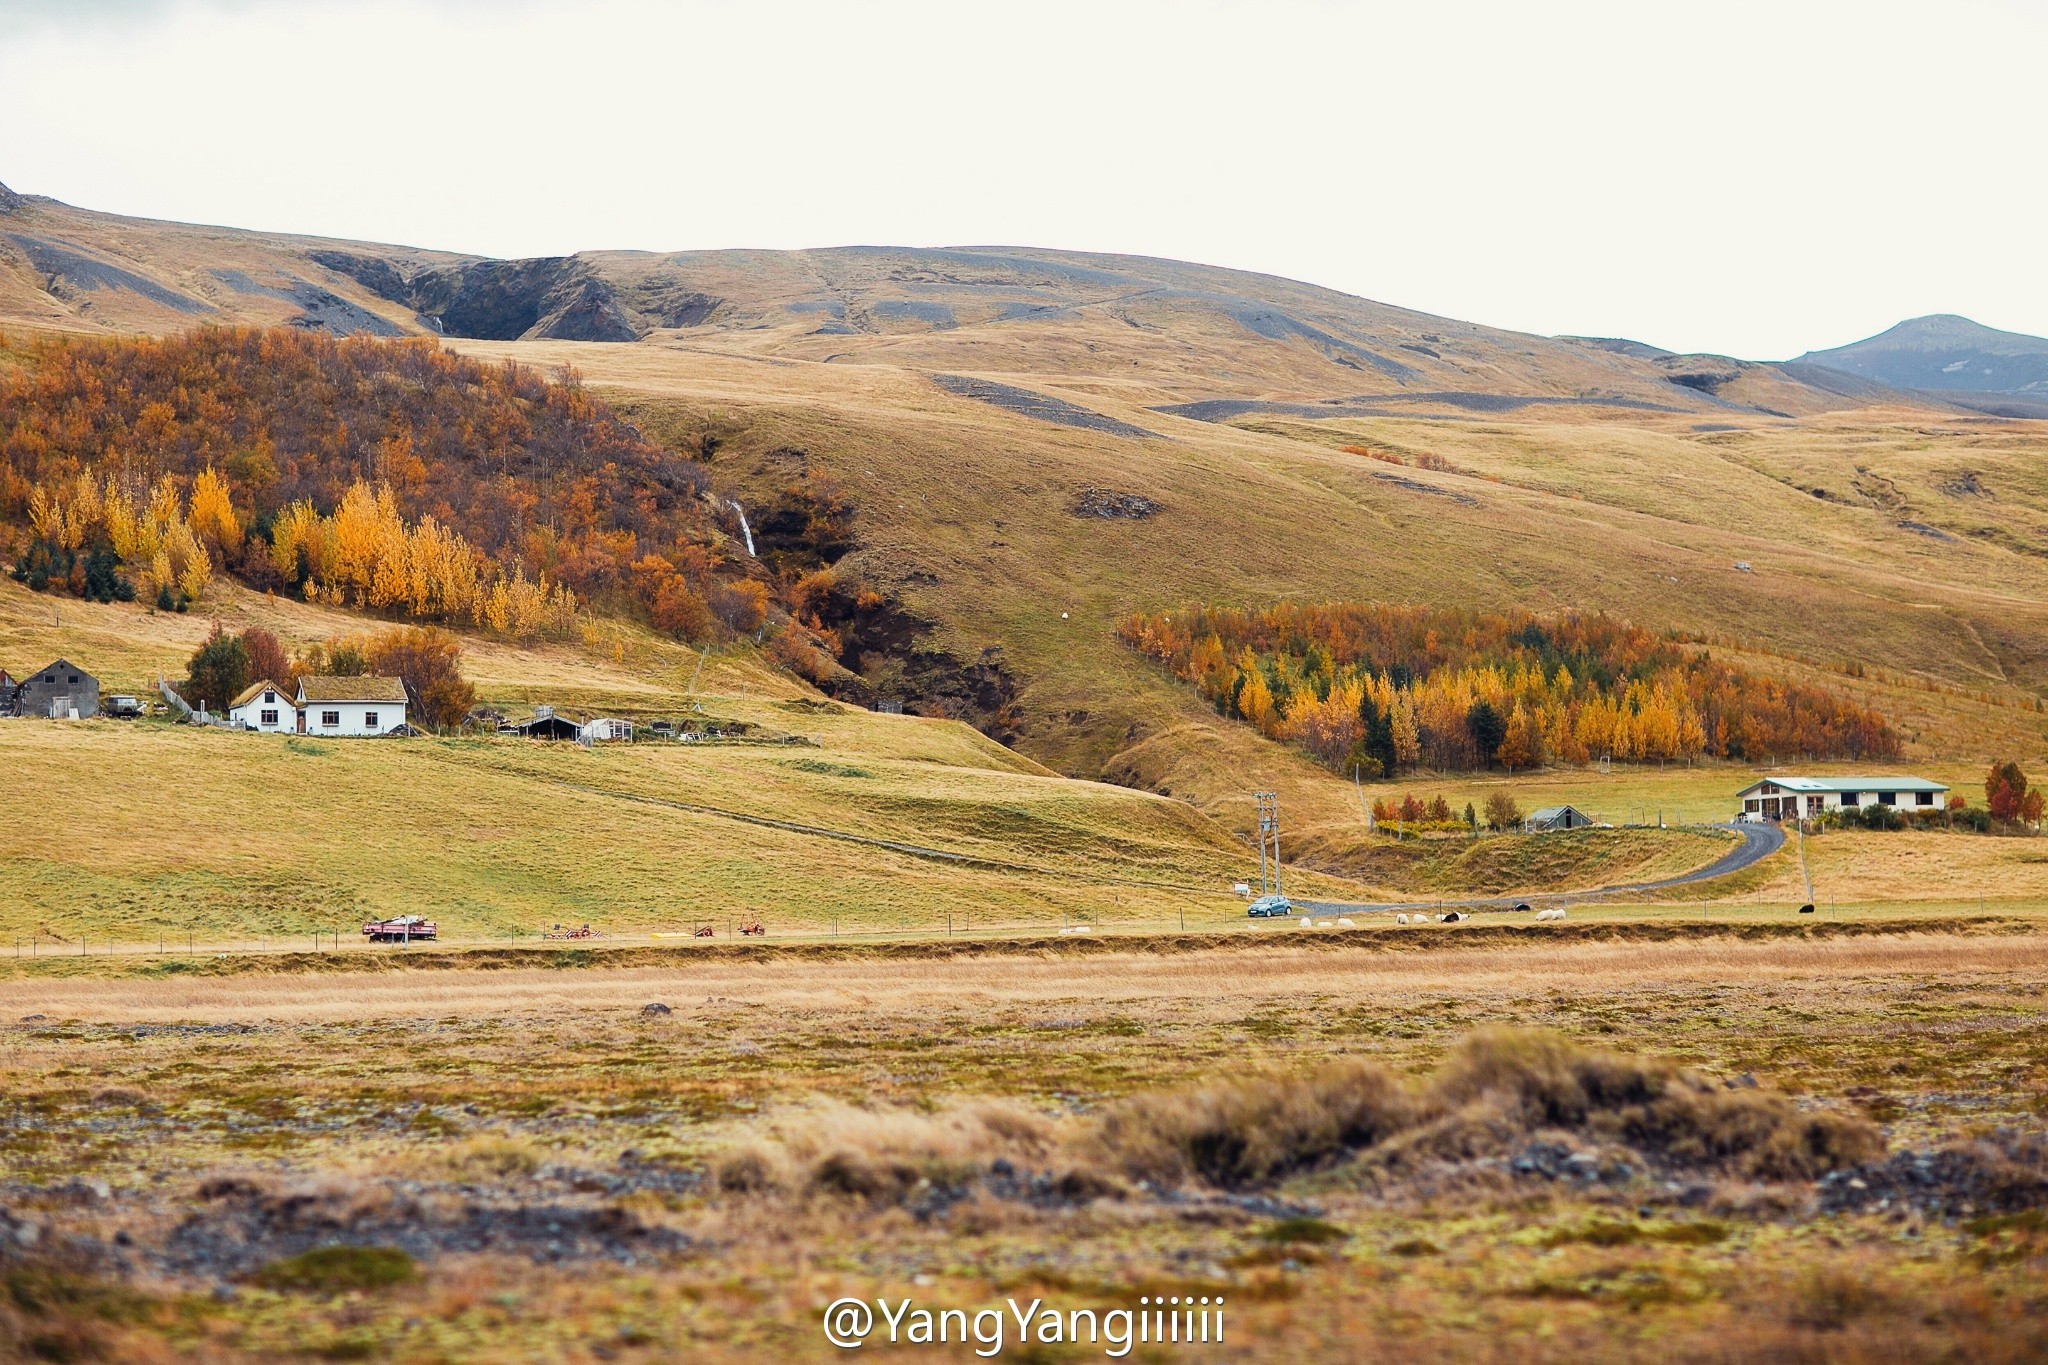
(404, 929)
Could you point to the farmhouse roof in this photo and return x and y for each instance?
(351, 689)
(256, 689)
(1817, 785)
(1554, 812)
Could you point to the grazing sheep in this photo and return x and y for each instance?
(1400, 919)
(1345, 924)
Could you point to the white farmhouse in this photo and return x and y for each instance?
(350, 706)
(1790, 798)
(267, 707)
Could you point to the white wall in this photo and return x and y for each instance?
(251, 714)
(353, 717)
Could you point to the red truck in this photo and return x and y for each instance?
(404, 929)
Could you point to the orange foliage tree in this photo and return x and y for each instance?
(1379, 688)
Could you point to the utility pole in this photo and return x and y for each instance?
(1269, 838)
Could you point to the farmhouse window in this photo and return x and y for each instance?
(1752, 805)
(370, 719)
(1887, 798)
(269, 697)
(1849, 800)
(330, 719)
(1923, 798)
(270, 717)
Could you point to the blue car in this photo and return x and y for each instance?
(1271, 907)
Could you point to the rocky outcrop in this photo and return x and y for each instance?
(559, 298)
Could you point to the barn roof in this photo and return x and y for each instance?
(351, 689)
(1555, 812)
(55, 664)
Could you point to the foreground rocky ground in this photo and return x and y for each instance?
(1707, 1149)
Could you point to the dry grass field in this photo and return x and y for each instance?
(570, 1178)
(1687, 1126)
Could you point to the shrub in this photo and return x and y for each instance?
(428, 661)
(217, 671)
(336, 1270)
(1502, 812)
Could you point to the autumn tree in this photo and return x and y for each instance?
(428, 662)
(267, 659)
(2005, 791)
(1502, 812)
(218, 670)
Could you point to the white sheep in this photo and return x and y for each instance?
(1345, 924)
(1400, 919)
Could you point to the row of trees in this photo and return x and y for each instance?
(426, 660)
(1501, 812)
(1381, 689)
(365, 555)
(386, 474)
(97, 538)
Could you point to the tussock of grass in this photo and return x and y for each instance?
(1497, 1090)
(1247, 1132)
(885, 1155)
(491, 1157)
(336, 1270)
(1529, 1080)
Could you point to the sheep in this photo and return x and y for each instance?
(1400, 919)
(1345, 924)
(1544, 915)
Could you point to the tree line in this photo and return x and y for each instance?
(1379, 689)
(391, 475)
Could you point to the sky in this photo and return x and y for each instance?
(1750, 180)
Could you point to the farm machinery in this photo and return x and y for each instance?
(403, 929)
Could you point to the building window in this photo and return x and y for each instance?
(330, 719)
(270, 717)
(1887, 798)
(1752, 805)
(1849, 800)
(1923, 798)
(370, 719)
(269, 697)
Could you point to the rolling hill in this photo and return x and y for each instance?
(1036, 444)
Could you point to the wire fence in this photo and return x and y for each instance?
(195, 946)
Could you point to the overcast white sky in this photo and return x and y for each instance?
(1704, 176)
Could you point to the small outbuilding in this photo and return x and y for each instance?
(546, 725)
(265, 706)
(61, 691)
(1556, 817)
(608, 730)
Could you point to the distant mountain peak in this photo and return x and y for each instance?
(1945, 352)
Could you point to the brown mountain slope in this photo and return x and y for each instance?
(1148, 331)
(1038, 443)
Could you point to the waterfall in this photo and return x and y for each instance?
(745, 529)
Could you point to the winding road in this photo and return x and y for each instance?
(1758, 843)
